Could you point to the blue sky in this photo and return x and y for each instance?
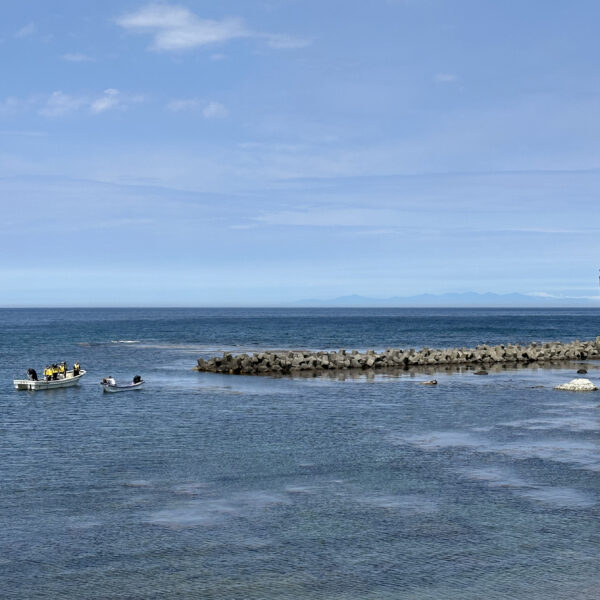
(259, 152)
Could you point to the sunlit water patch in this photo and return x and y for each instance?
(503, 479)
(580, 453)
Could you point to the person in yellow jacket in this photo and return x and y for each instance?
(62, 370)
(75, 369)
(48, 373)
(54, 371)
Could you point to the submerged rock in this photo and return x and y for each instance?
(577, 385)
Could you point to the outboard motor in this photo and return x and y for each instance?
(137, 378)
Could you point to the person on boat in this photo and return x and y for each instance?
(54, 371)
(32, 374)
(111, 380)
(62, 370)
(75, 369)
(48, 373)
(137, 378)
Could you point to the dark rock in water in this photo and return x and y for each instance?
(581, 371)
(482, 372)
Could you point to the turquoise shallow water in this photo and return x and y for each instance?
(210, 486)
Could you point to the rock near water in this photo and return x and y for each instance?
(577, 385)
(294, 361)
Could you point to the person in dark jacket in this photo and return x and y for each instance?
(32, 374)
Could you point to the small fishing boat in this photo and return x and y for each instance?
(62, 382)
(115, 387)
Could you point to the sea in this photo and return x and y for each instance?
(349, 486)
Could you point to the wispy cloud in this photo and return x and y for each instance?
(26, 30)
(9, 105)
(177, 28)
(446, 78)
(541, 294)
(332, 217)
(77, 57)
(286, 41)
(214, 110)
(59, 104)
(210, 110)
(111, 98)
(550, 230)
(19, 133)
(185, 104)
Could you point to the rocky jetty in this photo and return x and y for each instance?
(298, 361)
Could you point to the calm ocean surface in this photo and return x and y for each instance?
(231, 487)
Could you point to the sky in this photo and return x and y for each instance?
(260, 152)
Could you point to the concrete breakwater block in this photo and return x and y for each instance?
(577, 385)
(294, 361)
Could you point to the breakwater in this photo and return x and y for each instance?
(296, 361)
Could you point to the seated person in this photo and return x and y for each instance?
(111, 380)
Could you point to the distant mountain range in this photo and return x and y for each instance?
(464, 299)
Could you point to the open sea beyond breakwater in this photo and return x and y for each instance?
(357, 486)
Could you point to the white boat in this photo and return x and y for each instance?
(68, 381)
(107, 387)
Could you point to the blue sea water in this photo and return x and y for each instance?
(231, 487)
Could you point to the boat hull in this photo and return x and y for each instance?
(112, 389)
(69, 381)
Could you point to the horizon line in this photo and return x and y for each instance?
(287, 306)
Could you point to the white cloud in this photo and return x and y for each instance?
(109, 99)
(184, 104)
(333, 217)
(9, 105)
(177, 28)
(59, 104)
(541, 294)
(26, 31)
(446, 78)
(19, 133)
(286, 41)
(210, 110)
(77, 57)
(214, 110)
